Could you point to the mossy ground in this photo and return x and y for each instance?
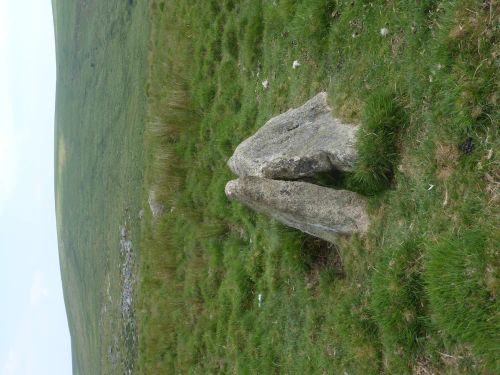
(418, 294)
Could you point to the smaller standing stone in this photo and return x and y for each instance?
(320, 211)
(155, 206)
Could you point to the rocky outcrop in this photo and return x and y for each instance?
(317, 210)
(298, 143)
(294, 145)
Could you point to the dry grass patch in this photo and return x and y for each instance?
(446, 156)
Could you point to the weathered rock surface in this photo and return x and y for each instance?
(298, 143)
(317, 210)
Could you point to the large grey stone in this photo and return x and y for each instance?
(317, 210)
(298, 143)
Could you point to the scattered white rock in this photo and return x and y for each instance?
(265, 84)
(123, 231)
(384, 31)
(295, 64)
(128, 333)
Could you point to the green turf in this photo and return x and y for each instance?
(418, 294)
(100, 111)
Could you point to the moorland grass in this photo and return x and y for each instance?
(377, 142)
(461, 283)
(399, 305)
(418, 294)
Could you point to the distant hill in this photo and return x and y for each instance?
(101, 49)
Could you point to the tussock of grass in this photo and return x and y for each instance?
(398, 303)
(377, 143)
(461, 271)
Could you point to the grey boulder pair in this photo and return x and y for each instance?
(299, 144)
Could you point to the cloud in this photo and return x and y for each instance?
(4, 7)
(12, 364)
(8, 157)
(38, 290)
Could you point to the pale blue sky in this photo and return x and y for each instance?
(34, 337)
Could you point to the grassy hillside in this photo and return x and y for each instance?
(100, 112)
(418, 295)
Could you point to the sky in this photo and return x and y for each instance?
(34, 336)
